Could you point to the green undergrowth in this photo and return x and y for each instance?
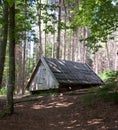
(105, 93)
(3, 91)
(93, 99)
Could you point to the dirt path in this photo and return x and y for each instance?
(63, 112)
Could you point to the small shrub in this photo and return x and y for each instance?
(3, 91)
(109, 75)
(108, 92)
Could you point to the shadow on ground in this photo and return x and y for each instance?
(61, 113)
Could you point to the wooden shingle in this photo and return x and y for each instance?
(73, 72)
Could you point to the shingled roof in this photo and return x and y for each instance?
(69, 72)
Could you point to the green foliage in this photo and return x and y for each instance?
(29, 66)
(3, 91)
(100, 16)
(104, 75)
(109, 75)
(25, 20)
(10, 2)
(48, 50)
(49, 28)
(108, 92)
(48, 17)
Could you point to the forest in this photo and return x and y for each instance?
(77, 30)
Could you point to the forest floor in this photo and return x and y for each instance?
(60, 112)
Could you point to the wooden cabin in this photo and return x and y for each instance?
(62, 75)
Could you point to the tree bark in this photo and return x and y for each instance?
(11, 81)
(59, 30)
(65, 31)
(108, 55)
(40, 32)
(3, 43)
(24, 55)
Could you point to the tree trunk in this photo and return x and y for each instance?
(40, 33)
(83, 45)
(73, 45)
(76, 45)
(65, 31)
(23, 66)
(24, 55)
(59, 30)
(11, 81)
(69, 46)
(4, 40)
(108, 55)
(53, 46)
(18, 54)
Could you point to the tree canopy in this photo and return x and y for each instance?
(101, 17)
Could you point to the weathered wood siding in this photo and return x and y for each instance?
(43, 80)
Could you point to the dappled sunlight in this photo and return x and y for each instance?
(66, 124)
(62, 112)
(77, 124)
(20, 106)
(70, 116)
(52, 105)
(41, 106)
(65, 104)
(69, 127)
(116, 121)
(72, 122)
(94, 121)
(53, 102)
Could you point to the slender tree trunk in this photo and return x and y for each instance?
(24, 55)
(76, 45)
(40, 34)
(79, 45)
(96, 62)
(108, 55)
(59, 30)
(11, 82)
(64, 55)
(65, 31)
(3, 43)
(83, 45)
(19, 72)
(45, 44)
(116, 58)
(23, 67)
(69, 46)
(73, 45)
(53, 46)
